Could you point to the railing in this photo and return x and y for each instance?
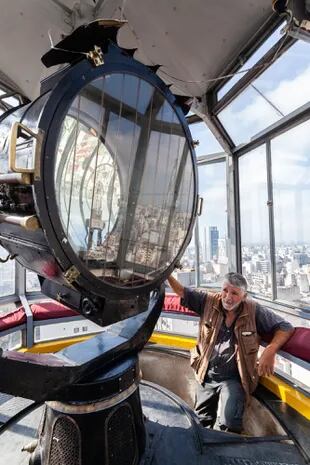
(31, 330)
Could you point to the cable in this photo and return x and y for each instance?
(224, 76)
(267, 100)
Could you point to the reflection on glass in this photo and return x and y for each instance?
(207, 142)
(124, 180)
(290, 154)
(7, 274)
(254, 222)
(279, 90)
(213, 243)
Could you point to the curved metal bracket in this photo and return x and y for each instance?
(49, 376)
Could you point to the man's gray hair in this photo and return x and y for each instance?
(237, 280)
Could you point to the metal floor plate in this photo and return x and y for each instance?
(240, 461)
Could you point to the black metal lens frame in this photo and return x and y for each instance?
(62, 96)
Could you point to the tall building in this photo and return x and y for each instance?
(222, 248)
(213, 242)
(303, 283)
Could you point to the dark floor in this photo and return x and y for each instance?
(174, 437)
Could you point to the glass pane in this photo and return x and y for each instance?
(6, 308)
(282, 88)
(32, 282)
(12, 341)
(207, 142)
(254, 221)
(213, 224)
(290, 154)
(7, 274)
(260, 52)
(124, 180)
(12, 101)
(187, 274)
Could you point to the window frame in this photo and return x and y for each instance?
(294, 119)
(210, 159)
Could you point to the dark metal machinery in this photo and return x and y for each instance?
(98, 182)
(98, 195)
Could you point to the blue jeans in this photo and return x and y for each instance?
(232, 398)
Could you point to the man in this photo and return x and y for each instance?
(225, 357)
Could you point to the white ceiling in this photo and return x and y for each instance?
(193, 40)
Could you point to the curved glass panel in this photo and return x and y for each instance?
(124, 180)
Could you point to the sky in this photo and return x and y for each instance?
(287, 85)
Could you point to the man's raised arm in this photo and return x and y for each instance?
(267, 359)
(176, 286)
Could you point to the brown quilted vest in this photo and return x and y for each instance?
(246, 337)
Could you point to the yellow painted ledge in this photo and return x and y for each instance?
(55, 346)
(287, 394)
(283, 391)
(180, 342)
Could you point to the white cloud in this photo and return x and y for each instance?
(244, 121)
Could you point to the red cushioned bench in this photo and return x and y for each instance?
(298, 345)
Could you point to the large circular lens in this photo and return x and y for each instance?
(124, 180)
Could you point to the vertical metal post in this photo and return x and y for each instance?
(235, 168)
(20, 279)
(197, 270)
(272, 245)
(20, 289)
(231, 214)
(29, 322)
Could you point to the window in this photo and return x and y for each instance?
(207, 142)
(254, 221)
(187, 274)
(260, 52)
(281, 89)
(212, 231)
(7, 100)
(12, 341)
(32, 282)
(290, 154)
(6, 308)
(213, 241)
(7, 274)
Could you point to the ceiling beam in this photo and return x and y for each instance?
(201, 109)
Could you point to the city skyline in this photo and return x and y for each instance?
(292, 267)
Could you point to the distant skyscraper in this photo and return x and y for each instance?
(213, 241)
(223, 247)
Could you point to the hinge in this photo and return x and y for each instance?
(96, 56)
(72, 274)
